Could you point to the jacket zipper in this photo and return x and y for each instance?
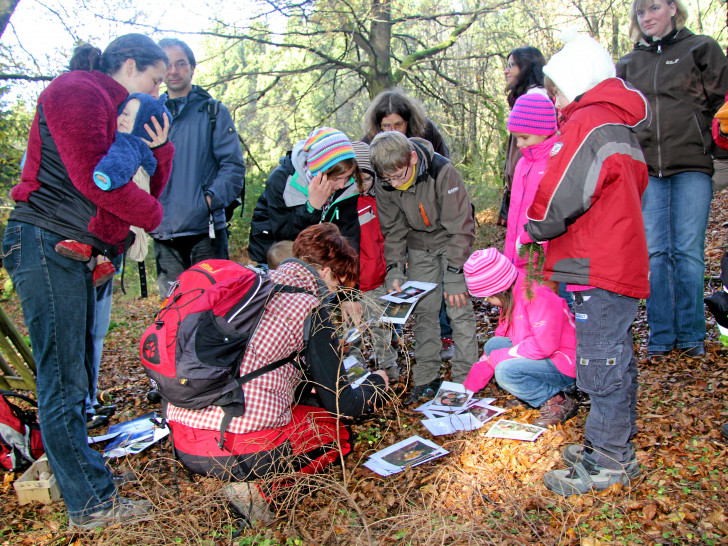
(657, 111)
(334, 211)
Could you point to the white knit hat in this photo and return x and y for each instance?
(580, 65)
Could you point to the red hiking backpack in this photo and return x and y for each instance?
(193, 350)
(20, 442)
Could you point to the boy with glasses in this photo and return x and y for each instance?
(426, 217)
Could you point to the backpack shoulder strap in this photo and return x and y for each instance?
(14, 394)
(213, 107)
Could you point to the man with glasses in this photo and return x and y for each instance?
(208, 172)
(426, 217)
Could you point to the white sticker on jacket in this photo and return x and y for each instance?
(557, 148)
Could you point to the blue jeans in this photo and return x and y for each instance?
(675, 211)
(607, 370)
(173, 256)
(99, 329)
(533, 381)
(57, 297)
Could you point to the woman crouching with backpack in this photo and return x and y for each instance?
(276, 436)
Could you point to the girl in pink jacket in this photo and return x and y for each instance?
(533, 352)
(532, 123)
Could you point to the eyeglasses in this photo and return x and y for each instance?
(393, 126)
(181, 64)
(396, 178)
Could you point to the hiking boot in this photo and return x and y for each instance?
(103, 272)
(74, 250)
(96, 421)
(583, 477)
(248, 502)
(573, 455)
(724, 431)
(426, 391)
(693, 352)
(108, 411)
(121, 511)
(557, 409)
(448, 349)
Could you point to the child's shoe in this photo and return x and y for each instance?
(557, 409)
(103, 272)
(74, 250)
(585, 476)
(573, 455)
(448, 349)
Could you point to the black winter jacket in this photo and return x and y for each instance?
(273, 220)
(685, 78)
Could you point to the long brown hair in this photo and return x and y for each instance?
(507, 302)
(395, 101)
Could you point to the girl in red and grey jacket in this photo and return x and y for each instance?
(533, 351)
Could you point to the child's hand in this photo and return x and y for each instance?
(457, 300)
(159, 134)
(319, 191)
(395, 284)
(351, 312)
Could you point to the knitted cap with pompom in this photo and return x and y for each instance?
(580, 65)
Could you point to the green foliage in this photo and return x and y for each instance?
(14, 126)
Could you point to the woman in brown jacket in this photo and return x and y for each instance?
(685, 78)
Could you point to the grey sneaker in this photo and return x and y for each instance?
(582, 478)
(573, 455)
(121, 511)
(248, 502)
(557, 409)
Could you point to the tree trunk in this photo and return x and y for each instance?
(380, 67)
(7, 7)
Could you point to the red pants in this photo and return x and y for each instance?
(306, 445)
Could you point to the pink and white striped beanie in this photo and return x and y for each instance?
(533, 114)
(488, 272)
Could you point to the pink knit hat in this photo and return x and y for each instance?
(488, 272)
(533, 114)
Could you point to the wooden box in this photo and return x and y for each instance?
(29, 487)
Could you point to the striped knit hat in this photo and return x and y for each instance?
(326, 147)
(533, 114)
(488, 272)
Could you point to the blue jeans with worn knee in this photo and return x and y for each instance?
(607, 370)
(533, 381)
(57, 297)
(675, 211)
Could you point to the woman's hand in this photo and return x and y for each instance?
(159, 134)
(319, 191)
(351, 312)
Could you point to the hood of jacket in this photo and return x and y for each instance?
(618, 101)
(294, 272)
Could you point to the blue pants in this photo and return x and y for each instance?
(57, 297)
(99, 329)
(533, 381)
(606, 369)
(675, 211)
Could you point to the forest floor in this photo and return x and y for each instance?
(486, 491)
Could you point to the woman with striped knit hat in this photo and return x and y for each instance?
(533, 351)
(318, 181)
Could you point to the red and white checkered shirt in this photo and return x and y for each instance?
(268, 398)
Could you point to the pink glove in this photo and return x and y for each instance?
(479, 375)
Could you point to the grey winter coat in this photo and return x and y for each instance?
(204, 164)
